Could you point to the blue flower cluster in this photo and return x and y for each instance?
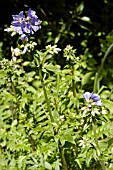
(92, 97)
(25, 26)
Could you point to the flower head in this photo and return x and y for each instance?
(92, 98)
(18, 19)
(15, 51)
(33, 20)
(18, 23)
(52, 49)
(25, 26)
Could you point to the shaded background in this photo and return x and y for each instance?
(64, 23)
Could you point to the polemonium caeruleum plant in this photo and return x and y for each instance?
(50, 128)
(93, 102)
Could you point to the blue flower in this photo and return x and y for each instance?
(24, 37)
(33, 20)
(28, 28)
(18, 19)
(87, 95)
(92, 97)
(95, 97)
(25, 26)
(18, 23)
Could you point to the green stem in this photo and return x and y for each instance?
(74, 89)
(17, 101)
(98, 147)
(104, 58)
(64, 160)
(73, 83)
(11, 102)
(31, 142)
(45, 94)
(14, 92)
(58, 80)
(96, 84)
(98, 74)
(64, 163)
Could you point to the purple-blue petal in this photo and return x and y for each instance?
(19, 16)
(25, 50)
(27, 28)
(34, 21)
(87, 95)
(15, 23)
(95, 97)
(99, 103)
(18, 30)
(24, 37)
(35, 28)
(31, 13)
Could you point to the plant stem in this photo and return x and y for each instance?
(58, 80)
(32, 142)
(14, 92)
(73, 82)
(74, 90)
(11, 103)
(17, 101)
(98, 74)
(104, 58)
(98, 147)
(45, 94)
(64, 163)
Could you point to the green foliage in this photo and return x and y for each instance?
(42, 123)
(45, 123)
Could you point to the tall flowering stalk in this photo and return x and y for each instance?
(93, 100)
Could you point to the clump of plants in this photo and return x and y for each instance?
(48, 119)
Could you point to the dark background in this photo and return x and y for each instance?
(100, 13)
